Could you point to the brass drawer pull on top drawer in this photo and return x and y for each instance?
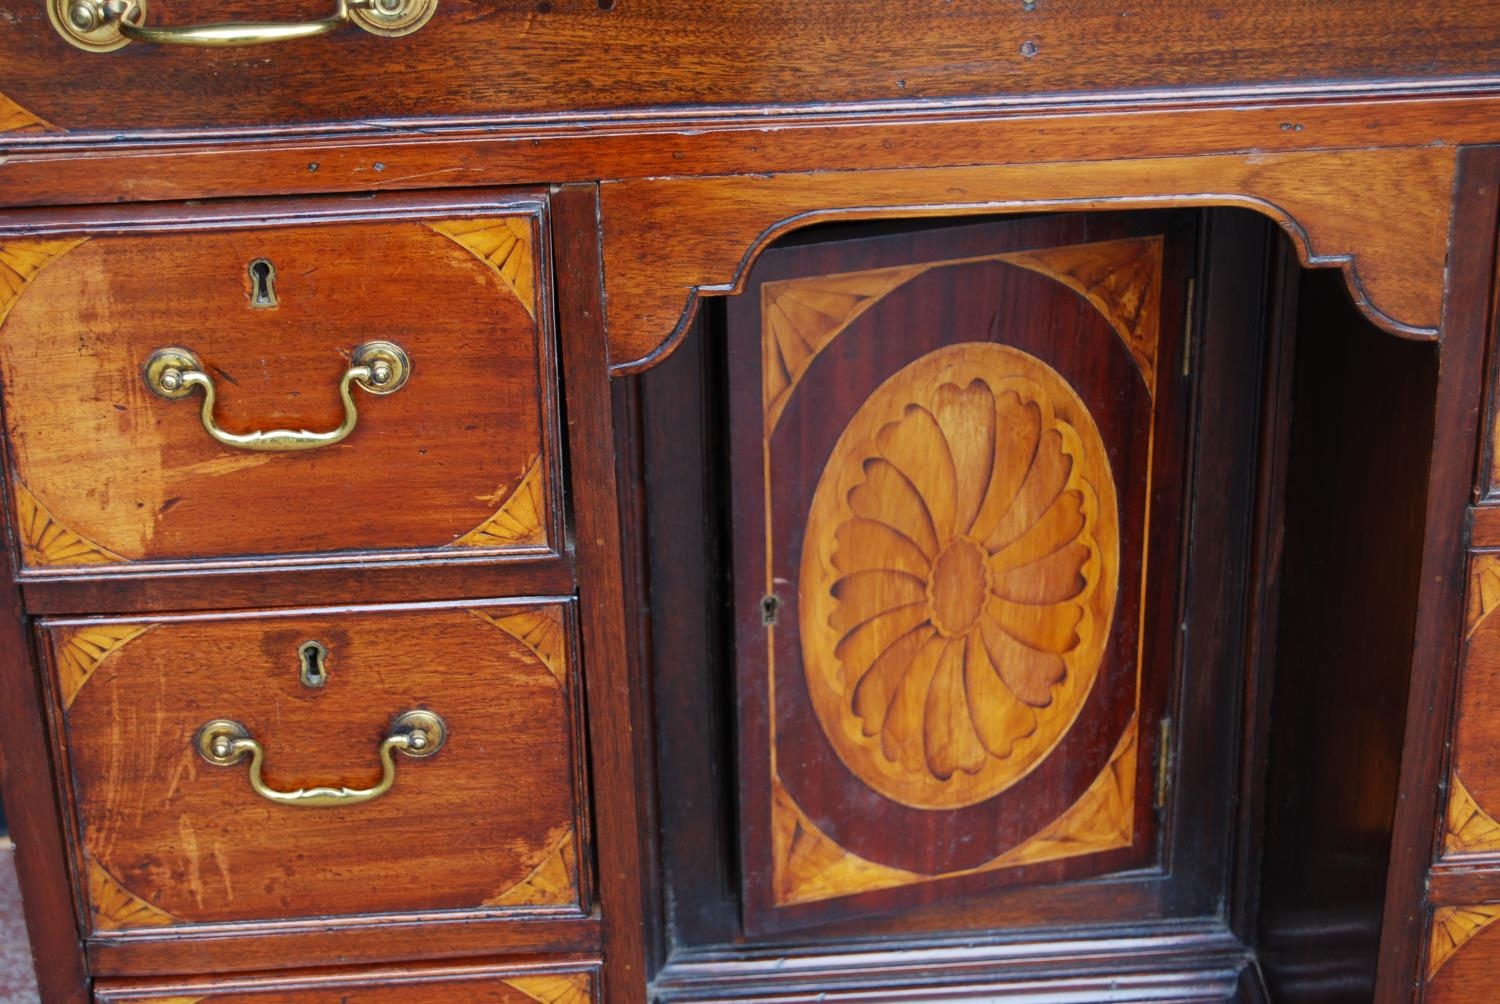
(105, 25)
(416, 733)
(378, 367)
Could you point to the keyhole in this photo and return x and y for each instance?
(314, 671)
(262, 284)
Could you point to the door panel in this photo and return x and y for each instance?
(948, 448)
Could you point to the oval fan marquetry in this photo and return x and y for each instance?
(959, 574)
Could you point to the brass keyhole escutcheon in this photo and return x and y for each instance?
(262, 284)
(314, 658)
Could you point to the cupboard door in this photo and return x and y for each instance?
(957, 458)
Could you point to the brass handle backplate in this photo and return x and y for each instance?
(378, 368)
(106, 25)
(224, 743)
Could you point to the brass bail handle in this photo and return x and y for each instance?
(377, 367)
(106, 25)
(224, 743)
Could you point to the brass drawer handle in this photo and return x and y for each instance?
(416, 733)
(378, 367)
(105, 25)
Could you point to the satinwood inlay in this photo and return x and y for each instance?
(555, 988)
(45, 541)
(1484, 590)
(521, 518)
(551, 883)
(14, 118)
(20, 261)
(117, 908)
(1452, 927)
(504, 244)
(959, 573)
(810, 866)
(541, 630)
(802, 316)
(1121, 279)
(957, 588)
(83, 650)
(1470, 830)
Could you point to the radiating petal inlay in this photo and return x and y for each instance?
(959, 575)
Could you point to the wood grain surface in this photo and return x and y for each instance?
(810, 866)
(1381, 215)
(712, 144)
(1330, 764)
(105, 471)
(602, 55)
(166, 839)
(618, 749)
(1462, 952)
(941, 470)
(52, 944)
(714, 130)
(1439, 603)
(413, 985)
(15, 119)
(1474, 771)
(861, 958)
(960, 566)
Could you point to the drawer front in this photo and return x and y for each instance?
(1471, 833)
(476, 58)
(1463, 941)
(491, 823)
(488, 986)
(107, 473)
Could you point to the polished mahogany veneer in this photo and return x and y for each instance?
(458, 451)
(170, 838)
(618, 500)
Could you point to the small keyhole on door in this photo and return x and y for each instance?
(313, 655)
(262, 284)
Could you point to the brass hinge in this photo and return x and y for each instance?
(1187, 327)
(1163, 763)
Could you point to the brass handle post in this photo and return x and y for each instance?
(105, 25)
(377, 367)
(223, 743)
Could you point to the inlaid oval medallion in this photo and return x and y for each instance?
(959, 573)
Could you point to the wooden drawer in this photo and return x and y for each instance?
(459, 459)
(416, 986)
(1463, 941)
(491, 824)
(1471, 833)
(568, 56)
